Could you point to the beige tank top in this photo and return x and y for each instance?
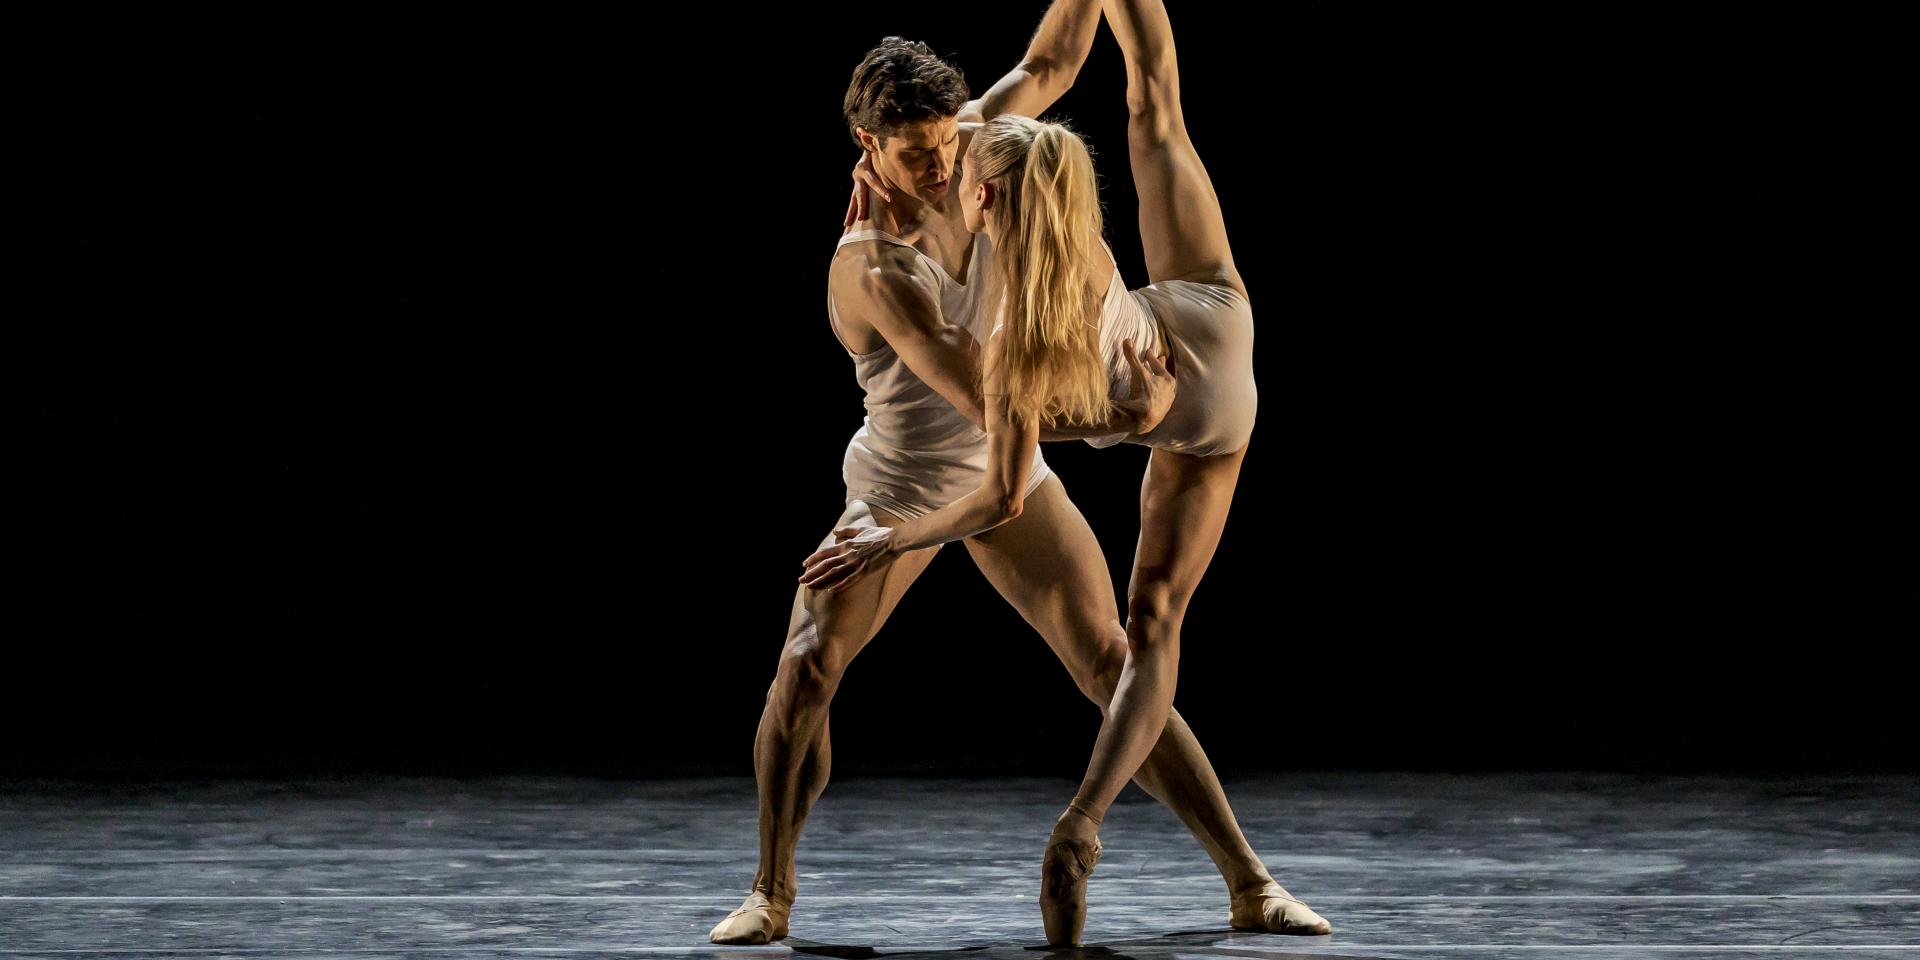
(903, 412)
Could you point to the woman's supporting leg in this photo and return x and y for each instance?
(1049, 566)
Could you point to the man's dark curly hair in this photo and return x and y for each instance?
(901, 82)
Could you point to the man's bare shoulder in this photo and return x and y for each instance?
(879, 277)
(872, 259)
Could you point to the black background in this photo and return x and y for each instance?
(456, 396)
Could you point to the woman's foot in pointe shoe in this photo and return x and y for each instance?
(1072, 852)
(1272, 909)
(759, 920)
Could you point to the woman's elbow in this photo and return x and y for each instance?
(1007, 506)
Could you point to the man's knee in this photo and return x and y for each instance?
(813, 671)
(811, 664)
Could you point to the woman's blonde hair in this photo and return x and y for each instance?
(1047, 215)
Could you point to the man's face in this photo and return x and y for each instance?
(919, 158)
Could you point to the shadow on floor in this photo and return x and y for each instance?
(1190, 944)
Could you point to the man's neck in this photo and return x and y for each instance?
(906, 216)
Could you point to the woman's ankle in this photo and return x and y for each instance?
(1080, 819)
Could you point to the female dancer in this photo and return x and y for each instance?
(1030, 186)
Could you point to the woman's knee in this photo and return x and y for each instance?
(1155, 608)
(1098, 675)
(1153, 107)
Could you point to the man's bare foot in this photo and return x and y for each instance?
(759, 920)
(1272, 909)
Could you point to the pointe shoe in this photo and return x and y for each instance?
(759, 920)
(1272, 909)
(1063, 886)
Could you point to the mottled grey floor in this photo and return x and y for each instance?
(1571, 867)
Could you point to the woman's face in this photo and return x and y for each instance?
(975, 199)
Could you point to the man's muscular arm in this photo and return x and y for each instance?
(1054, 57)
(885, 287)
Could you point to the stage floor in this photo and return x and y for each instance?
(1491, 867)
